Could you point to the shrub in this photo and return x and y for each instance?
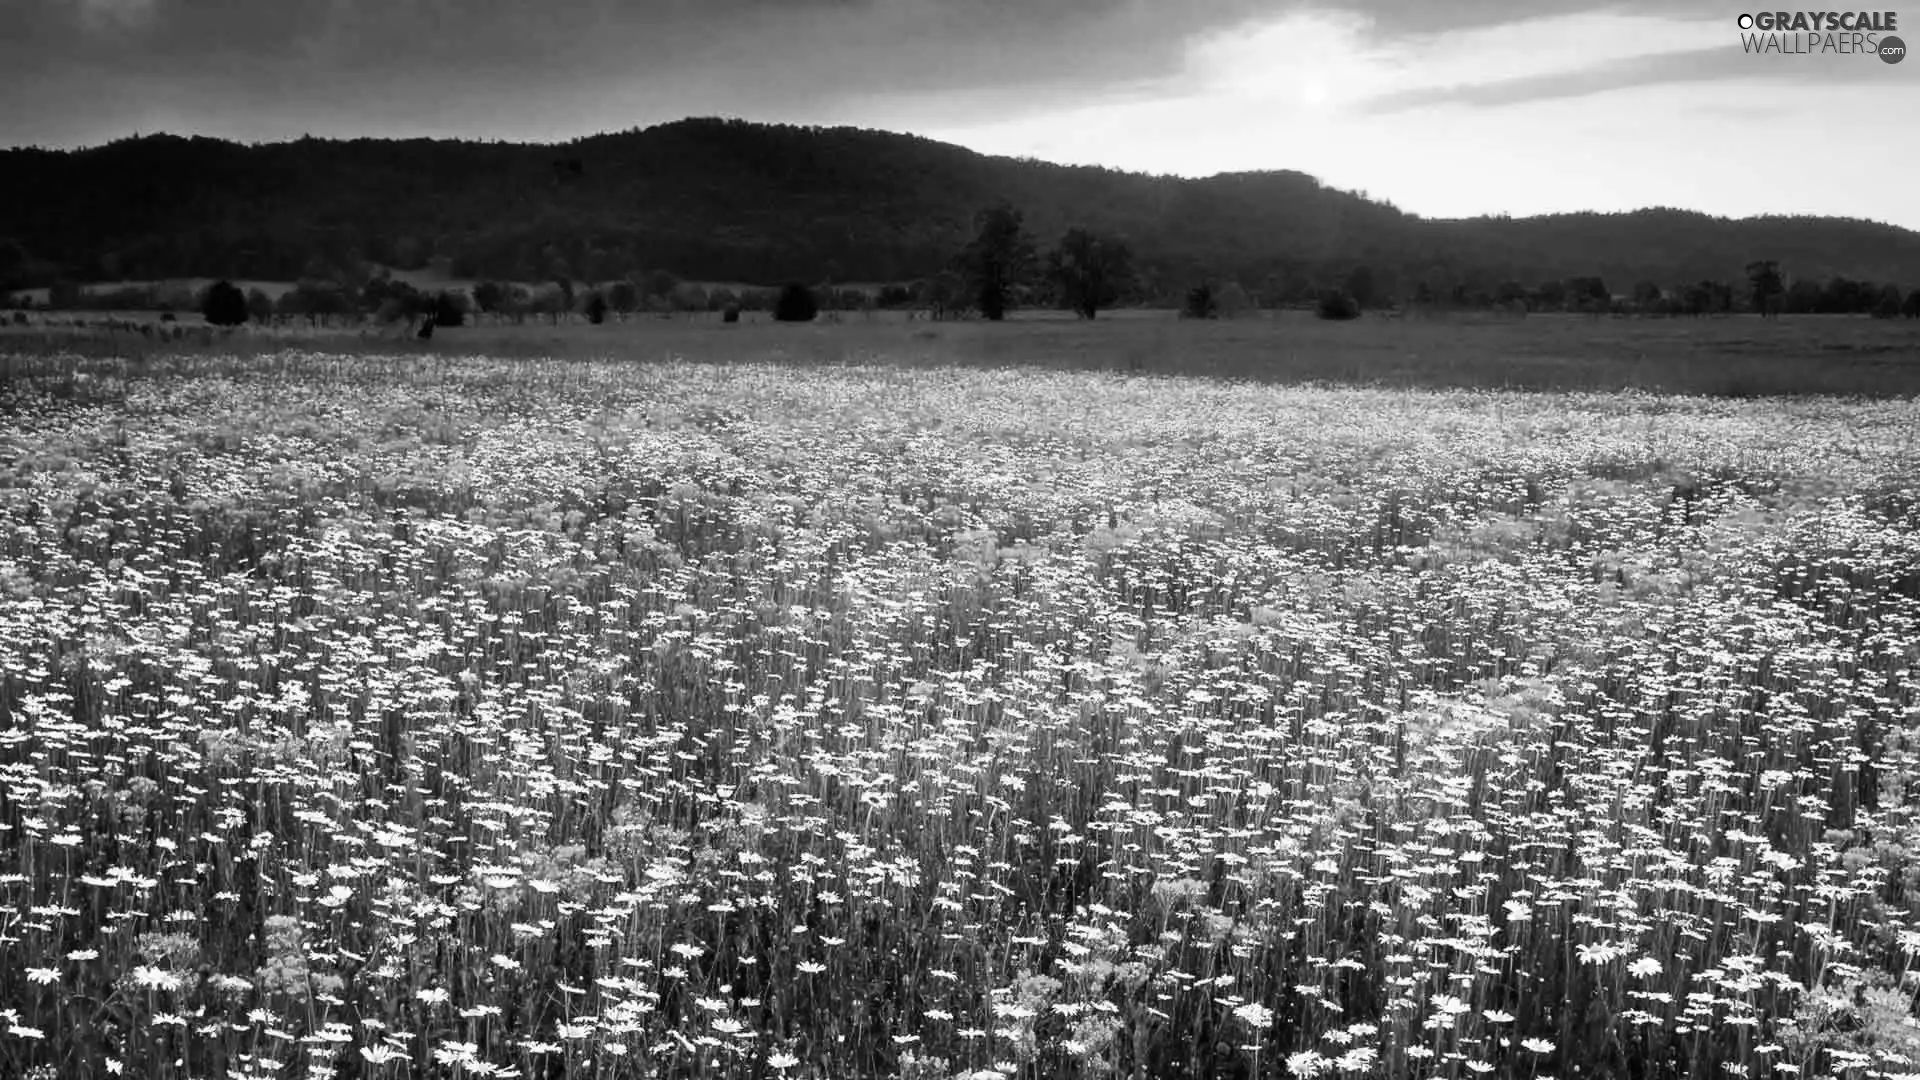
(596, 308)
(796, 304)
(449, 309)
(224, 304)
(730, 313)
(1337, 304)
(1201, 303)
(1232, 301)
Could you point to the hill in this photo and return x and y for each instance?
(730, 200)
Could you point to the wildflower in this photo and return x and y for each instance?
(44, 976)
(1306, 1064)
(147, 977)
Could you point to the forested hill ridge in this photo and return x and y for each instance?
(726, 200)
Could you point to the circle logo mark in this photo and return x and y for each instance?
(1745, 22)
(1892, 50)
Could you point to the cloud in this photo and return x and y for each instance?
(567, 67)
(96, 16)
(1394, 19)
(1725, 63)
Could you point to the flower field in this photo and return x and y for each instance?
(384, 716)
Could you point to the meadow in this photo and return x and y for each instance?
(373, 710)
(1737, 356)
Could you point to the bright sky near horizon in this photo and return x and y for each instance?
(1447, 109)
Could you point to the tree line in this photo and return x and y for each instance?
(999, 269)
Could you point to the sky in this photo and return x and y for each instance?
(1445, 109)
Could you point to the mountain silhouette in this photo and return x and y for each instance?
(729, 200)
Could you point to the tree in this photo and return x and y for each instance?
(623, 297)
(1763, 275)
(550, 302)
(224, 304)
(999, 257)
(1231, 301)
(796, 304)
(1589, 294)
(449, 309)
(660, 283)
(945, 295)
(1360, 287)
(14, 261)
(259, 306)
(1888, 306)
(1551, 295)
(1804, 296)
(1337, 304)
(686, 296)
(1200, 303)
(1090, 271)
(316, 300)
(490, 297)
(66, 294)
(596, 307)
(1911, 308)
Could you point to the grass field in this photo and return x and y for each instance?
(1741, 356)
(870, 704)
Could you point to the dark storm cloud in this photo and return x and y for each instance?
(273, 68)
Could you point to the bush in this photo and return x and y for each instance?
(730, 313)
(796, 304)
(596, 308)
(224, 304)
(449, 309)
(1232, 301)
(1201, 303)
(1337, 304)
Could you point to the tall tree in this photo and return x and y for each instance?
(1000, 257)
(623, 297)
(1360, 286)
(224, 304)
(1091, 271)
(1763, 275)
